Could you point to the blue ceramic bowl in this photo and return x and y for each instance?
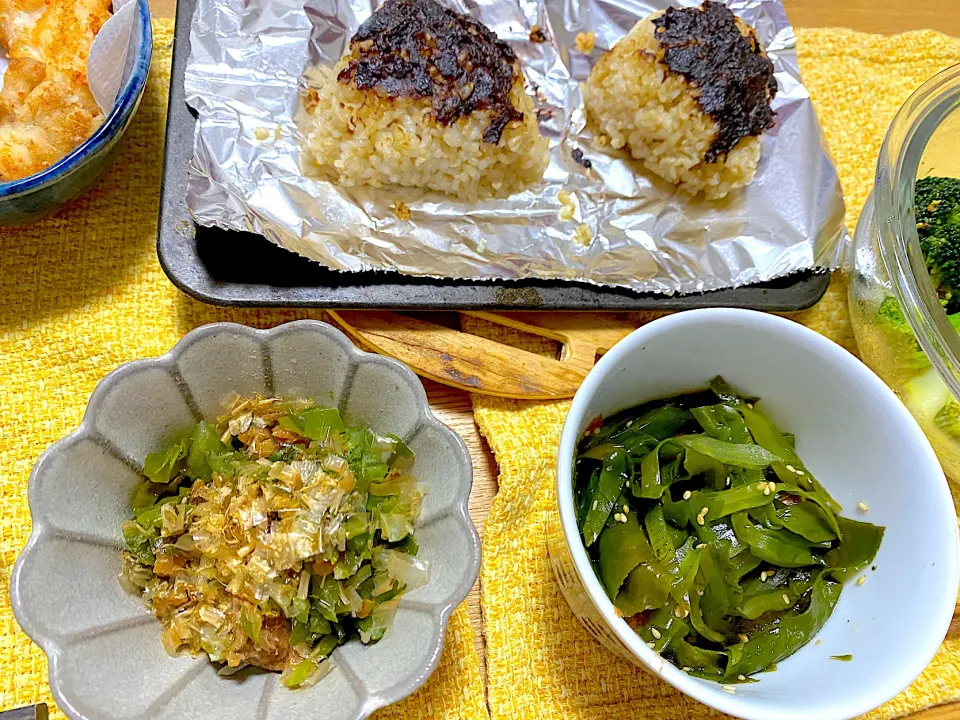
(40, 194)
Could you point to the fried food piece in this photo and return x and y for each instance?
(46, 108)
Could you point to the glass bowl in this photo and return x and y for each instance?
(902, 330)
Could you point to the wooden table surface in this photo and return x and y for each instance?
(454, 407)
(877, 16)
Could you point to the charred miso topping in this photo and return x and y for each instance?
(734, 78)
(578, 158)
(418, 49)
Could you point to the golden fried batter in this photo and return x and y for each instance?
(46, 108)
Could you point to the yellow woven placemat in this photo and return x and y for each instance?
(82, 292)
(542, 665)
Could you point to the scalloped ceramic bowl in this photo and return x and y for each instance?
(106, 659)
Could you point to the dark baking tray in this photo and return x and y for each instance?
(231, 268)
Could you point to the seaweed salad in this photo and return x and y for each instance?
(709, 534)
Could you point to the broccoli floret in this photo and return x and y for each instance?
(932, 403)
(937, 201)
(948, 419)
(891, 318)
(891, 314)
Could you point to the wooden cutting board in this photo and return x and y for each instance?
(453, 357)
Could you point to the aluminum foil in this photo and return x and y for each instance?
(245, 76)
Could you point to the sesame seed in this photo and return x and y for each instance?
(594, 505)
(617, 611)
(687, 494)
(679, 612)
(728, 482)
(729, 689)
(801, 473)
(699, 546)
(761, 485)
(628, 483)
(766, 490)
(655, 633)
(650, 645)
(786, 599)
(626, 510)
(861, 580)
(630, 423)
(700, 593)
(704, 510)
(686, 669)
(763, 576)
(862, 507)
(772, 485)
(742, 638)
(750, 405)
(741, 678)
(790, 467)
(699, 519)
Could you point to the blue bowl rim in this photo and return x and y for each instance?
(129, 95)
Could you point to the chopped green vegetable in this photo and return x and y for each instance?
(162, 467)
(709, 533)
(300, 673)
(400, 448)
(321, 423)
(275, 535)
(206, 451)
(252, 622)
(139, 542)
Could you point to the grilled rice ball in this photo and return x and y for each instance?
(427, 98)
(687, 91)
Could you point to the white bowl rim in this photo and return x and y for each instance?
(711, 694)
(426, 417)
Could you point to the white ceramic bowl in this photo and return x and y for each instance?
(860, 442)
(106, 659)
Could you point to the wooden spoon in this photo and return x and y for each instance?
(485, 366)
